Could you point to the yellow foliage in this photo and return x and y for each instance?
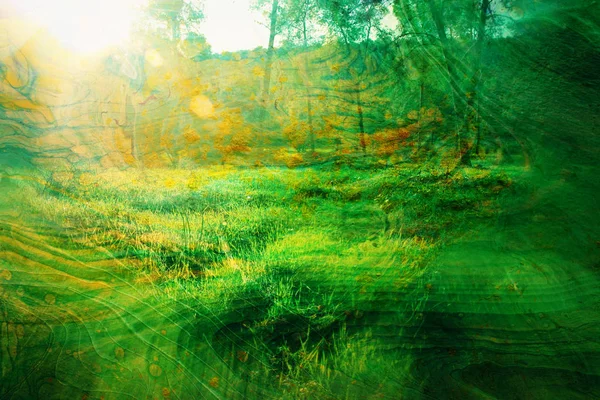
(169, 182)
(121, 142)
(191, 136)
(258, 71)
(86, 179)
(166, 141)
(152, 160)
(296, 132)
(290, 159)
(129, 159)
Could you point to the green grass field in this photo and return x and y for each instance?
(296, 265)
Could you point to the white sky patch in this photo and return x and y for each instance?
(390, 21)
(89, 26)
(85, 26)
(230, 25)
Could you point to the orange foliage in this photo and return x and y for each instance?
(292, 160)
(190, 135)
(233, 134)
(389, 140)
(296, 132)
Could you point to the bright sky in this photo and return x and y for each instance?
(91, 25)
(82, 25)
(88, 26)
(229, 25)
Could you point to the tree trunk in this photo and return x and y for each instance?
(175, 29)
(464, 103)
(457, 93)
(139, 153)
(134, 144)
(472, 112)
(359, 109)
(477, 76)
(124, 121)
(421, 88)
(311, 131)
(270, 50)
(361, 121)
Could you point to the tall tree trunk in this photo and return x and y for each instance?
(457, 93)
(134, 144)
(311, 131)
(478, 136)
(450, 63)
(138, 154)
(359, 110)
(128, 123)
(270, 50)
(174, 29)
(472, 117)
(124, 121)
(361, 121)
(485, 4)
(421, 89)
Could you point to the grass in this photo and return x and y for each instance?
(306, 252)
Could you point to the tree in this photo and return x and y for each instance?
(175, 14)
(300, 15)
(156, 74)
(274, 28)
(460, 33)
(353, 22)
(195, 47)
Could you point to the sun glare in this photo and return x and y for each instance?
(86, 26)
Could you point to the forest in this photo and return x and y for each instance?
(384, 199)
